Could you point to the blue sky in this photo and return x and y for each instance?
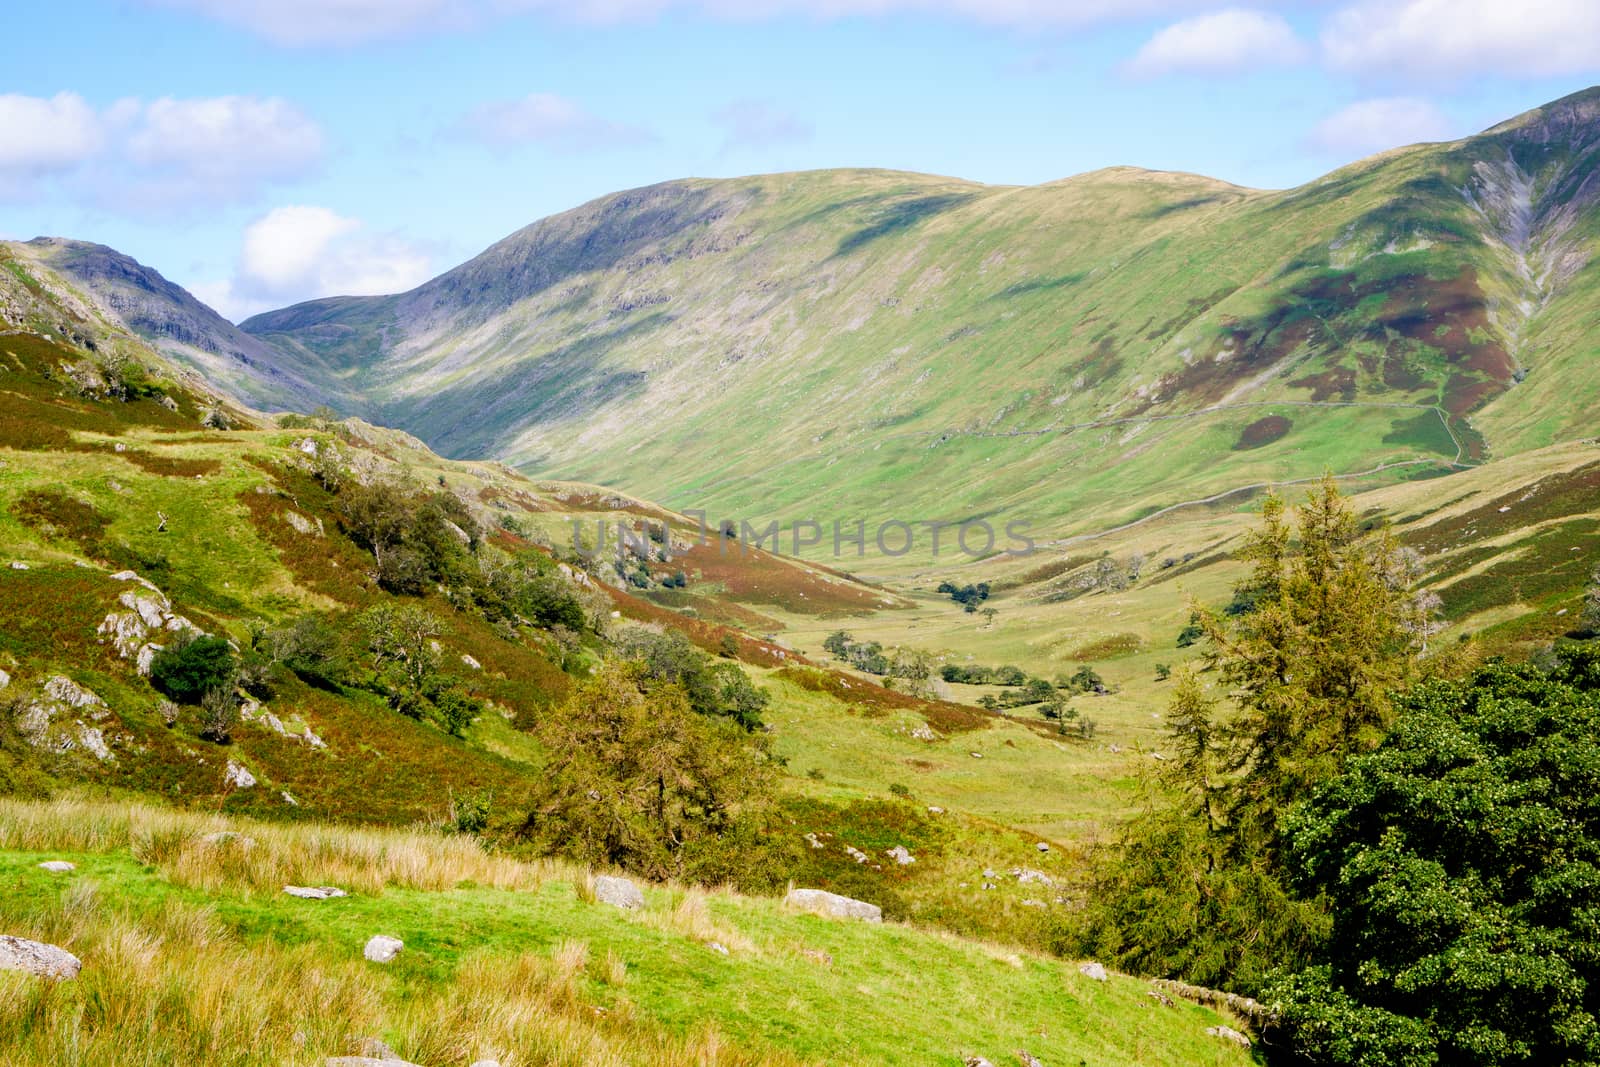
(267, 151)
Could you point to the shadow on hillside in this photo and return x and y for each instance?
(481, 417)
(900, 216)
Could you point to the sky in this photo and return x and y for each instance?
(262, 152)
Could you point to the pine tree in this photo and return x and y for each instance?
(1193, 730)
(1335, 627)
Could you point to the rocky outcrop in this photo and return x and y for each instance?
(1094, 970)
(37, 958)
(145, 615)
(59, 719)
(833, 905)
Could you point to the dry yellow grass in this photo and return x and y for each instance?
(176, 988)
(217, 853)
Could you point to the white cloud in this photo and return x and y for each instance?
(300, 252)
(1223, 42)
(1421, 38)
(159, 156)
(297, 23)
(312, 22)
(1369, 126)
(548, 119)
(754, 124)
(225, 140)
(44, 135)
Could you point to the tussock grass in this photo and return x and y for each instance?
(689, 916)
(191, 956)
(174, 987)
(217, 854)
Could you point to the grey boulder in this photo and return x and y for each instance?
(37, 958)
(618, 892)
(383, 948)
(834, 905)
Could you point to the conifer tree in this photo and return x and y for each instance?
(1193, 730)
(1335, 628)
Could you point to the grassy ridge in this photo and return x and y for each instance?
(846, 344)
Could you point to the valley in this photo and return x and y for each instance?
(331, 582)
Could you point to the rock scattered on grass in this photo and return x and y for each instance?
(1093, 970)
(57, 866)
(239, 776)
(833, 905)
(618, 892)
(976, 1061)
(901, 856)
(314, 892)
(382, 948)
(1028, 1059)
(1228, 1033)
(37, 958)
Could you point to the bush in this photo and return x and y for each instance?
(311, 647)
(469, 812)
(219, 714)
(638, 779)
(1458, 860)
(191, 666)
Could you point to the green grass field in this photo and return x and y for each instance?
(156, 912)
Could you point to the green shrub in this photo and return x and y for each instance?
(192, 666)
(1458, 860)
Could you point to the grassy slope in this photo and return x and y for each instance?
(157, 913)
(229, 555)
(866, 343)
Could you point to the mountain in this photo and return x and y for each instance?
(1077, 351)
(171, 319)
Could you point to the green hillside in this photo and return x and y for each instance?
(1068, 354)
